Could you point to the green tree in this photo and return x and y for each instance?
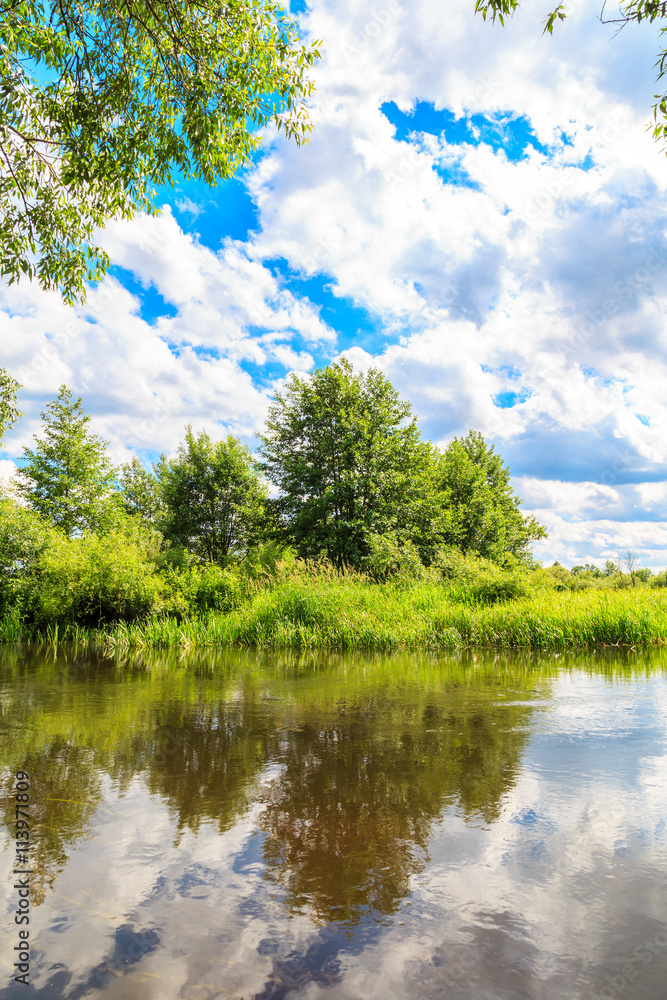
(67, 477)
(102, 100)
(484, 509)
(9, 412)
(630, 11)
(213, 496)
(141, 493)
(349, 462)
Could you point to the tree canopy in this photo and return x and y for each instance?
(352, 467)
(9, 412)
(141, 493)
(67, 477)
(629, 11)
(102, 100)
(355, 481)
(348, 459)
(484, 509)
(214, 500)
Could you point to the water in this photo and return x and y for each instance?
(232, 824)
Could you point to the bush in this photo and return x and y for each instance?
(390, 557)
(477, 580)
(267, 562)
(92, 580)
(498, 587)
(449, 563)
(560, 577)
(24, 535)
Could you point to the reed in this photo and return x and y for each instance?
(350, 612)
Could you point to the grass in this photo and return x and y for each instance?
(350, 612)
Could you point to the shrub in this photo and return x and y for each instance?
(449, 563)
(268, 562)
(92, 580)
(500, 586)
(24, 535)
(477, 580)
(559, 576)
(389, 557)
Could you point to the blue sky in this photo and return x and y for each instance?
(480, 213)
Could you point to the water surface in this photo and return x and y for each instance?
(234, 824)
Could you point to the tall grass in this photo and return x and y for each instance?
(349, 612)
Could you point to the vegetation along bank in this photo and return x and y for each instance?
(371, 538)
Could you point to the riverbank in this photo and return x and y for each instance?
(352, 613)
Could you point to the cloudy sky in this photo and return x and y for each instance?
(480, 213)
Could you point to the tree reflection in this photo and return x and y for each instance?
(347, 822)
(65, 793)
(205, 764)
(371, 752)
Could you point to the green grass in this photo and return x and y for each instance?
(352, 613)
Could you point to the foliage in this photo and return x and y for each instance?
(483, 507)
(9, 412)
(213, 497)
(101, 101)
(349, 462)
(93, 579)
(476, 580)
(333, 611)
(388, 557)
(141, 493)
(67, 477)
(589, 569)
(199, 588)
(267, 561)
(24, 535)
(630, 11)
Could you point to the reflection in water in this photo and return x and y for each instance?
(348, 820)
(268, 825)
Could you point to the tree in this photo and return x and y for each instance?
(629, 11)
(484, 509)
(101, 100)
(213, 496)
(589, 568)
(9, 412)
(141, 493)
(67, 477)
(631, 562)
(349, 462)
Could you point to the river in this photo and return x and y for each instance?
(215, 824)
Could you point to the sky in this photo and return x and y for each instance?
(480, 213)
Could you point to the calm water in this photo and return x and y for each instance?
(230, 824)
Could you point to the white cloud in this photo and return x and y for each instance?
(539, 282)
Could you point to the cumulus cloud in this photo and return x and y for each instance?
(490, 197)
